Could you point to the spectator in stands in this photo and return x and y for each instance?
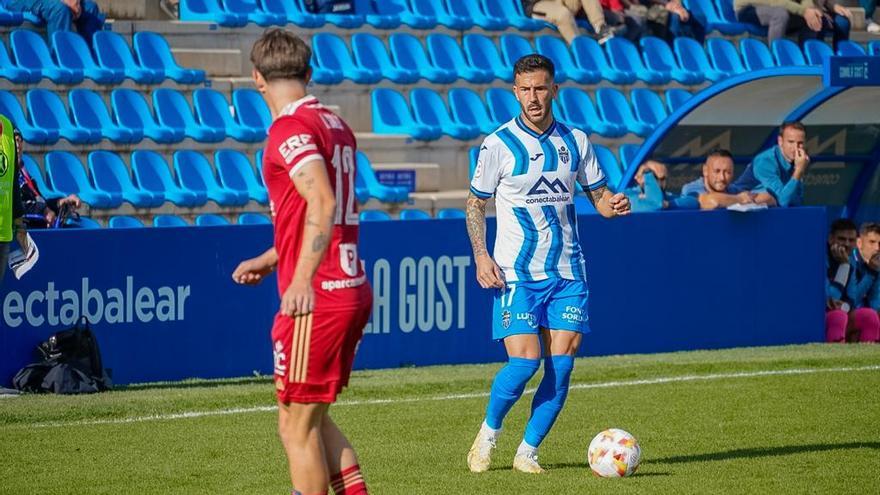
(836, 20)
(841, 242)
(11, 226)
(650, 193)
(82, 16)
(623, 14)
(863, 286)
(714, 189)
(779, 171)
(562, 13)
(38, 212)
(870, 6)
(781, 17)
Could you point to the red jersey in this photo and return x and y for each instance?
(303, 132)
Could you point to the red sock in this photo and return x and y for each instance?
(349, 482)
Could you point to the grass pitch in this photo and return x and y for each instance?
(799, 419)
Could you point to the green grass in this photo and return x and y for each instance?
(792, 433)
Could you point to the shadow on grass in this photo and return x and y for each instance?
(764, 452)
(559, 466)
(196, 383)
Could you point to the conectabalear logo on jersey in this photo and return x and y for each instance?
(552, 191)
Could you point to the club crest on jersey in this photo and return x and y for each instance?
(544, 186)
(505, 319)
(564, 155)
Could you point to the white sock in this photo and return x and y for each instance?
(525, 448)
(489, 432)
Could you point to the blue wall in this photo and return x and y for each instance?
(660, 282)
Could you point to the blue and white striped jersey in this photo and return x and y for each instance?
(533, 179)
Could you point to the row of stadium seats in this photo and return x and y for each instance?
(89, 119)
(204, 220)
(492, 15)
(108, 182)
(477, 59)
(70, 60)
(426, 116)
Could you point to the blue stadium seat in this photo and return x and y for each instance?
(503, 106)
(385, 17)
(472, 9)
(438, 10)
(195, 174)
(173, 112)
(113, 53)
(253, 219)
(610, 166)
(251, 110)
(324, 75)
(391, 115)
(482, 52)
(346, 21)
(236, 174)
(414, 214)
(430, 110)
(511, 11)
(627, 154)
(787, 53)
(124, 222)
(89, 112)
(473, 158)
(648, 106)
(615, 109)
(817, 51)
(874, 47)
(110, 175)
(210, 11)
(293, 12)
(581, 113)
(151, 173)
(72, 53)
(332, 53)
(11, 109)
(48, 112)
(847, 48)
(755, 54)
(67, 176)
(8, 18)
(658, 56)
(559, 114)
(82, 223)
(211, 220)
(169, 221)
(212, 110)
(366, 179)
(724, 57)
(514, 47)
(706, 14)
(447, 54)
(31, 52)
(258, 164)
(14, 73)
(557, 50)
(469, 109)
(37, 175)
(407, 13)
(407, 51)
(132, 112)
(451, 213)
(692, 57)
(254, 12)
(154, 53)
(374, 216)
(728, 15)
(675, 98)
(589, 56)
(624, 57)
(370, 53)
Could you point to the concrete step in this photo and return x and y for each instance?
(217, 62)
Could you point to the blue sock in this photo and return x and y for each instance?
(508, 387)
(549, 398)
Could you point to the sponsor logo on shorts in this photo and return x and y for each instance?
(528, 318)
(331, 285)
(505, 319)
(574, 313)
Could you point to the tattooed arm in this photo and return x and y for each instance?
(607, 203)
(313, 185)
(488, 272)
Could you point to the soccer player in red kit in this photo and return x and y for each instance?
(309, 170)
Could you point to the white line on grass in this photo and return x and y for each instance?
(475, 395)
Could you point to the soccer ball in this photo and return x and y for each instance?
(614, 453)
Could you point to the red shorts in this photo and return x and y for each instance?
(314, 353)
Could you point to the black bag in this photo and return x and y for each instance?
(71, 364)
(330, 6)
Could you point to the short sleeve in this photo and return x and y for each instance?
(590, 175)
(487, 173)
(296, 143)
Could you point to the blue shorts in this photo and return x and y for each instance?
(526, 307)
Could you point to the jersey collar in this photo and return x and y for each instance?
(292, 107)
(532, 133)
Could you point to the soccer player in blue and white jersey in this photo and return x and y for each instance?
(531, 165)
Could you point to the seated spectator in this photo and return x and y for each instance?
(668, 19)
(650, 193)
(841, 242)
(836, 20)
(562, 13)
(779, 171)
(870, 6)
(38, 212)
(781, 17)
(627, 15)
(714, 188)
(863, 286)
(82, 16)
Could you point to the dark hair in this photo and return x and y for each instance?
(842, 224)
(534, 63)
(720, 153)
(870, 228)
(792, 124)
(280, 54)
